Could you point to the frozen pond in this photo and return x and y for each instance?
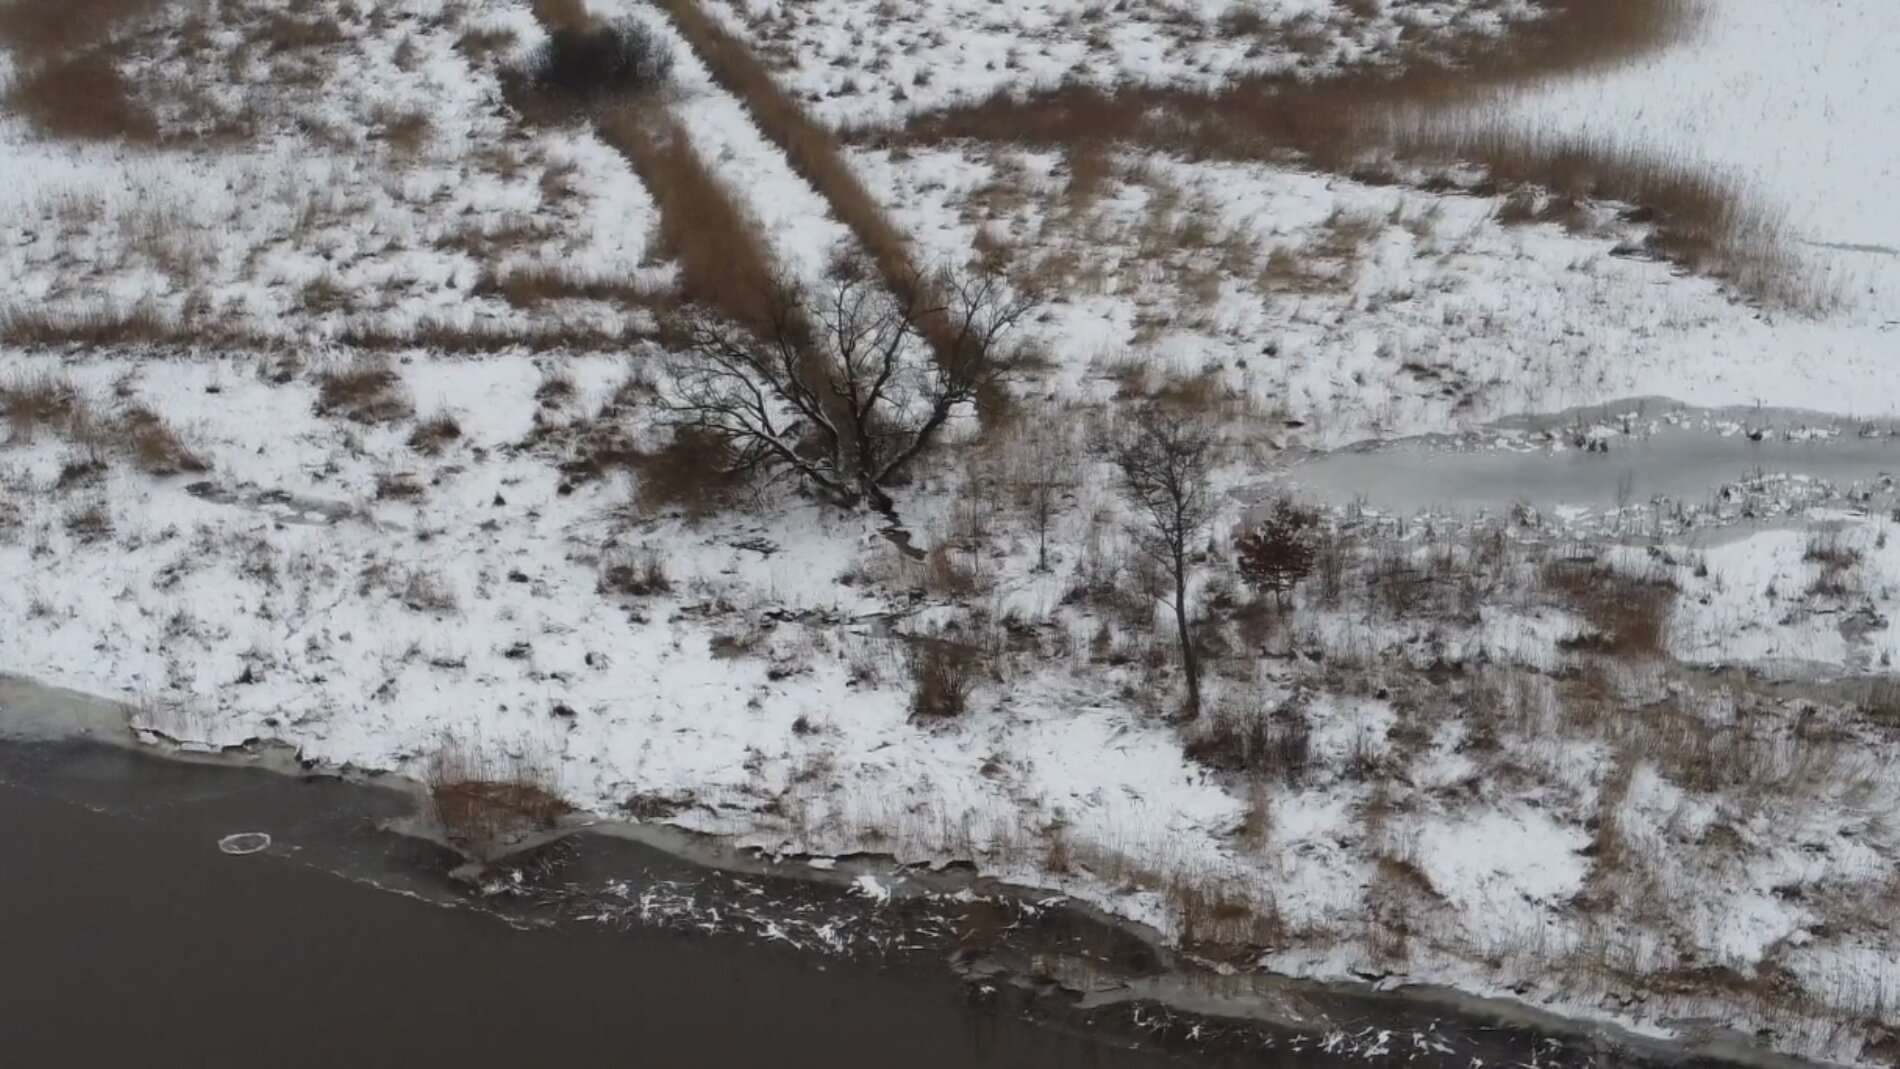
(1673, 463)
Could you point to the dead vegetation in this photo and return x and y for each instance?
(407, 133)
(1425, 111)
(46, 404)
(551, 333)
(434, 435)
(488, 802)
(427, 591)
(67, 80)
(89, 522)
(154, 447)
(943, 676)
(587, 62)
(633, 572)
(724, 262)
(1273, 744)
(82, 97)
(1628, 615)
(689, 475)
(539, 284)
(485, 42)
(43, 403)
(142, 323)
(811, 148)
(366, 390)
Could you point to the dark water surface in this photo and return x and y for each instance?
(130, 940)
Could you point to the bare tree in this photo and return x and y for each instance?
(838, 387)
(1044, 471)
(1164, 471)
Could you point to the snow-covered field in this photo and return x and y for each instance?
(928, 56)
(316, 222)
(1645, 778)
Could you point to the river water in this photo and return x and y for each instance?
(132, 940)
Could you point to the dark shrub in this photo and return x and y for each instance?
(943, 674)
(600, 63)
(1275, 556)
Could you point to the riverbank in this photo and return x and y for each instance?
(1001, 952)
(1405, 772)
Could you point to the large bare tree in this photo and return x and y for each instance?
(1164, 473)
(847, 385)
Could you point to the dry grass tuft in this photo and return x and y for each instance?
(47, 404)
(155, 448)
(634, 573)
(1221, 922)
(406, 133)
(141, 324)
(600, 62)
(435, 434)
(563, 14)
(365, 391)
(41, 403)
(1882, 700)
(479, 44)
(1628, 615)
(486, 803)
(528, 287)
(428, 592)
(89, 522)
(38, 29)
(693, 473)
(67, 80)
(943, 675)
(284, 32)
(1258, 743)
(944, 576)
(449, 337)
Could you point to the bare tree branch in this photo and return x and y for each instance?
(839, 386)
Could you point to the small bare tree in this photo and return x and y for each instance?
(1164, 472)
(1044, 464)
(839, 387)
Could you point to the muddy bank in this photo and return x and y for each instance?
(948, 936)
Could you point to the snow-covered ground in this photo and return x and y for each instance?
(316, 222)
(1794, 101)
(1367, 310)
(927, 56)
(1795, 104)
(1500, 754)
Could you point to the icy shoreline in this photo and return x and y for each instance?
(1206, 994)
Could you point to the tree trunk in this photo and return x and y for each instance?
(1190, 664)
